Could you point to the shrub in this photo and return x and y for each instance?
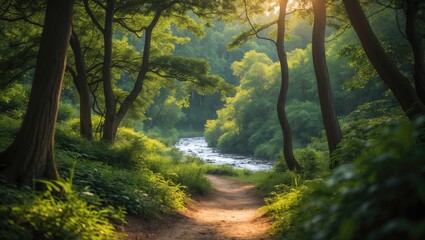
(225, 170)
(378, 196)
(49, 216)
(313, 165)
(138, 191)
(65, 111)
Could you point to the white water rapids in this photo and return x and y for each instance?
(197, 146)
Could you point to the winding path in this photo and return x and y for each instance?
(228, 212)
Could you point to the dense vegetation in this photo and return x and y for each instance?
(87, 130)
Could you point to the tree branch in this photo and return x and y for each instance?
(92, 17)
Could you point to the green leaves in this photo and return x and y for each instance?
(378, 196)
(50, 215)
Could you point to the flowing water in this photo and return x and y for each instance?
(197, 146)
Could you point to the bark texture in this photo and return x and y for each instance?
(398, 84)
(31, 154)
(109, 128)
(281, 102)
(330, 120)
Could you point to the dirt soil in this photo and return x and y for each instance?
(228, 212)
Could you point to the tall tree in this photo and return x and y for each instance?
(283, 120)
(31, 154)
(110, 125)
(393, 78)
(330, 121)
(80, 81)
(122, 12)
(416, 40)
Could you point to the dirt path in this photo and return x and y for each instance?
(229, 212)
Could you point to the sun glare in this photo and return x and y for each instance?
(274, 7)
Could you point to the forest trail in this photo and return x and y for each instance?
(229, 212)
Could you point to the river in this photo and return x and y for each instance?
(197, 146)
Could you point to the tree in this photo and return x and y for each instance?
(393, 78)
(18, 54)
(330, 121)
(286, 128)
(416, 40)
(125, 14)
(80, 81)
(31, 154)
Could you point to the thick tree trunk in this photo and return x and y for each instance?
(31, 154)
(80, 81)
(398, 84)
(110, 125)
(286, 128)
(415, 40)
(330, 121)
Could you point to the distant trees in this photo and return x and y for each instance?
(31, 154)
(247, 124)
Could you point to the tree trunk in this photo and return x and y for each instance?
(330, 121)
(415, 40)
(31, 154)
(398, 84)
(281, 102)
(80, 81)
(110, 125)
(138, 86)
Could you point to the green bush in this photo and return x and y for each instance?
(270, 182)
(362, 124)
(193, 176)
(8, 130)
(225, 170)
(312, 163)
(139, 191)
(378, 196)
(65, 111)
(33, 215)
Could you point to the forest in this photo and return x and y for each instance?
(96, 95)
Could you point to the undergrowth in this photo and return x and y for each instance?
(58, 213)
(137, 175)
(379, 195)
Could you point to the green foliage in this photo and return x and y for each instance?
(138, 191)
(362, 124)
(224, 170)
(51, 216)
(190, 171)
(65, 112)
(246, 121)
(314, 165)
(270, 182)
(9, 128)
(378, 196)
(306, 120)
(152, 177)
(284, 207)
